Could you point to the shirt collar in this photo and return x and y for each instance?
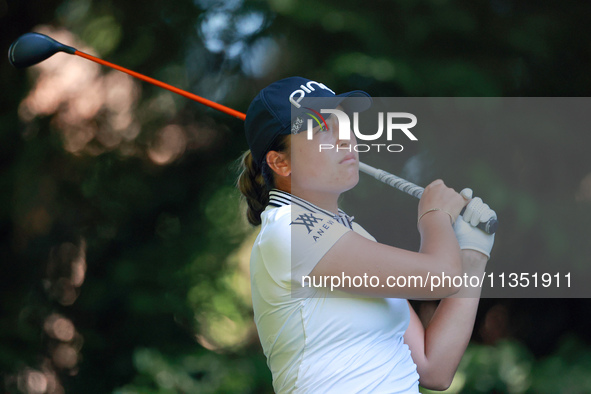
(279, 198)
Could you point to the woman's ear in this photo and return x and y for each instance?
(279, 163)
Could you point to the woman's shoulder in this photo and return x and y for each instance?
(276, 217)
(275, 225)
(286, 214)
(297, 225)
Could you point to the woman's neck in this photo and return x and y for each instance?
(325, 200)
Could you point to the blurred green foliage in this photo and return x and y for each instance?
(509, 367)
(125, 223)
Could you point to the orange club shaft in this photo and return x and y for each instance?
(184, 93)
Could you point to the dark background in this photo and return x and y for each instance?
(123, 247)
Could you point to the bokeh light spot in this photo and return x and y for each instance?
(59, 327)
(65, 356)
(170, 143)
(36, 382)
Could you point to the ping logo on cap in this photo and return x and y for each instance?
(297, 95)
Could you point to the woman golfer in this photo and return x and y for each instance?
(322, 340)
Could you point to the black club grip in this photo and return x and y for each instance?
(489, 227)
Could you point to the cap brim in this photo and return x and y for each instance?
(361, 101)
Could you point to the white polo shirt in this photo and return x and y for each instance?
(329, 343)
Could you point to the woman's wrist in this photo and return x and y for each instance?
(434, 218)
(473, 260)
(434, 211)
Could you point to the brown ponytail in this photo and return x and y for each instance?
(252, 186)
(256, 180)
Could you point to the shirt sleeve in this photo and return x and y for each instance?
(312, 236)
(295, 241)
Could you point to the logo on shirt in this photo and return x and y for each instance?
(308, 220)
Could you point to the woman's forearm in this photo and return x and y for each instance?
(449, 330)
(438, 240)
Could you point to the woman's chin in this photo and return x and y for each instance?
(352, 181)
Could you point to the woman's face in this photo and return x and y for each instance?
(318, 168)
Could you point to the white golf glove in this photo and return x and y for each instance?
(470, 237)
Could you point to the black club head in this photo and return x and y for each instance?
(32, 48)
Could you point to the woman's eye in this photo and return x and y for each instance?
(324, 128)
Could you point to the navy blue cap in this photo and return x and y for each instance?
(270, 113)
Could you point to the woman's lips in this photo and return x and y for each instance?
(350, 158)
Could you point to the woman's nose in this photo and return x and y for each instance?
(351, 140)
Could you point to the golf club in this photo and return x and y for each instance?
(32, 48)
(489, 227)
